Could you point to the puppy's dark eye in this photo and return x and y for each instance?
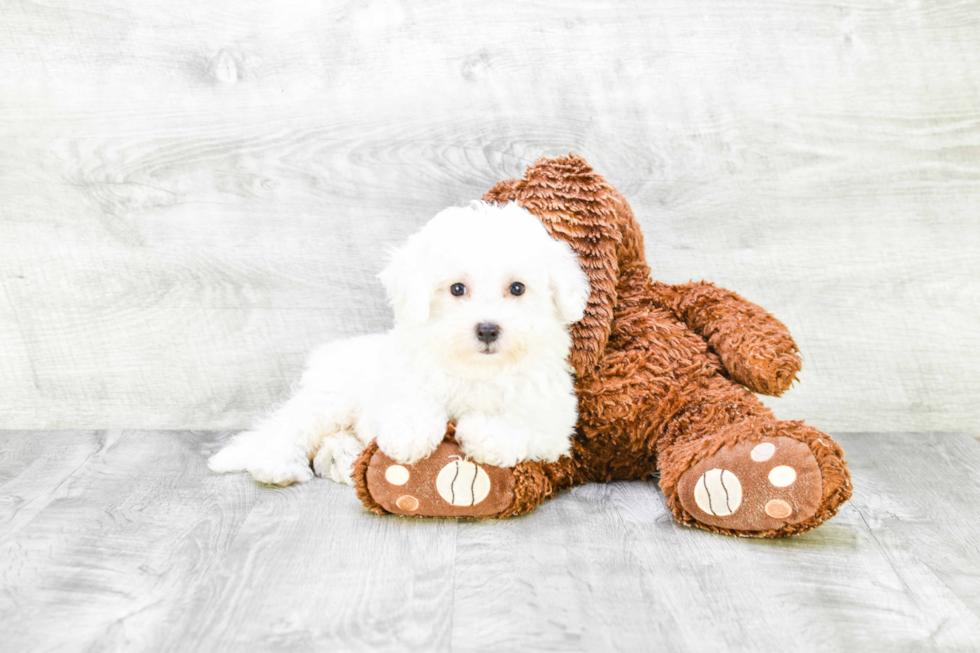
(517, 288)
(459, 289)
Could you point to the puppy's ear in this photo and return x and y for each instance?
(408, 283)
(569, 284)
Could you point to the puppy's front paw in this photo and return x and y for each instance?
(336, 457)
(492, 441)
(268, 459)
(409, 435)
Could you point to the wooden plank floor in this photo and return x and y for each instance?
(123, 541)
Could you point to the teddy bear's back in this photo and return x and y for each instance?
(635, 359)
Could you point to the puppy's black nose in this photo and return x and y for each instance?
(487, 332)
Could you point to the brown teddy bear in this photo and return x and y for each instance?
(664, 376)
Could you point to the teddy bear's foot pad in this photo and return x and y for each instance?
(755, 485)
(444, 484)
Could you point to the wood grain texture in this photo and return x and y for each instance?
(127, 542)
(193, 195)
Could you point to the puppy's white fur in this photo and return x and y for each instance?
(512, 399)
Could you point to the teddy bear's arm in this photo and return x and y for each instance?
(756, 349)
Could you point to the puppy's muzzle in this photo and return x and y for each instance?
(487, 332)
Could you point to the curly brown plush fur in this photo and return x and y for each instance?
(665, 376)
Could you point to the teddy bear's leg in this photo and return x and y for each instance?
(446, 484)
(727, 465)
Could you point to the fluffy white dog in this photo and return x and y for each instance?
(483, 298)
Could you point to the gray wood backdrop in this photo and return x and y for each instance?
(194, 194)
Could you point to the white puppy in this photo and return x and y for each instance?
(483, 298)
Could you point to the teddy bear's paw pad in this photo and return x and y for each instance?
(754, 485)
(443, 485)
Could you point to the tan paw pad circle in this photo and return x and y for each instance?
(718, 492)
(408, 503)
(397, 475)
(763, 452)
(462, 483)
(782, 476)
(778, 509)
